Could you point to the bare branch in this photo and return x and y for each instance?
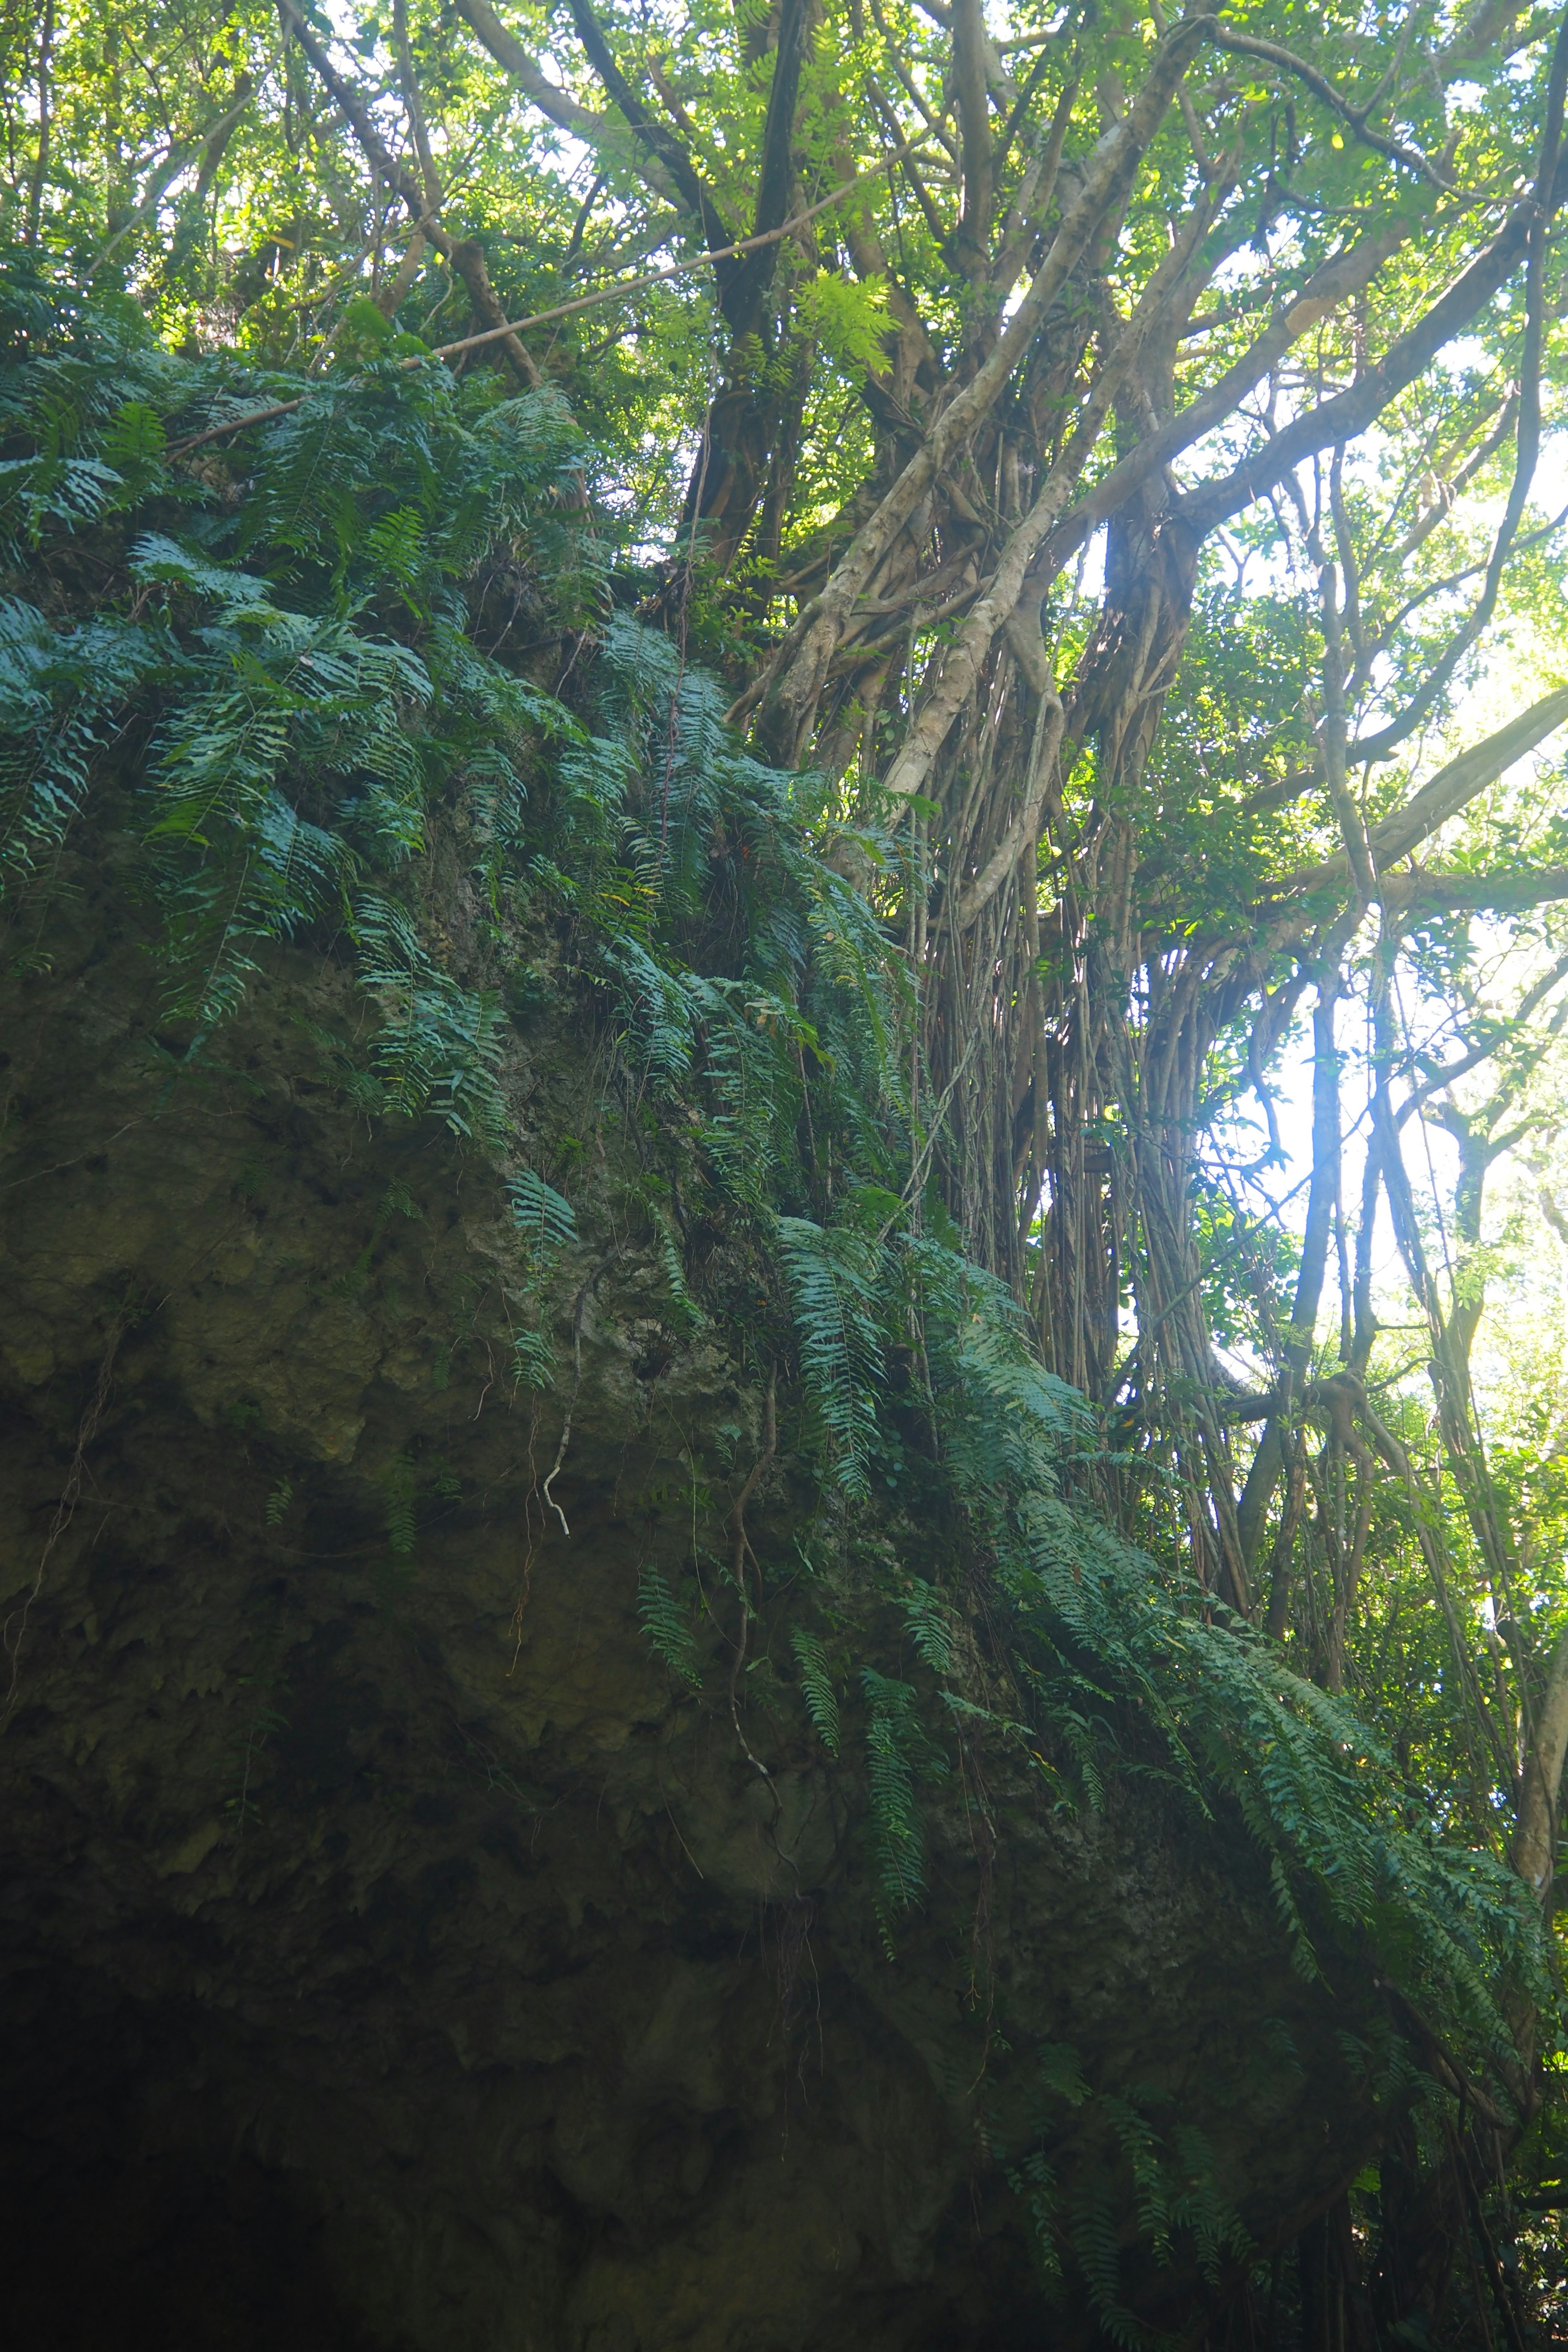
(1342, 275)
(1416, 898)
(1331, 742)
(974, 125)
(1452, 789)
(1457, 783)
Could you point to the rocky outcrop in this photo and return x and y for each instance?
(396, 1953)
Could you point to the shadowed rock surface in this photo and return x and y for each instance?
(395, 1953)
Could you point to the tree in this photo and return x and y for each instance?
(1105, 447)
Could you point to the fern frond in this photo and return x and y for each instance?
(817, 1686)
(547, 1222)
(896, 1751)
(533, 1359)
(836, 1286)
(930, 1625)
(400, 1486)
(668, 1627)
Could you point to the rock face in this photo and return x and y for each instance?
(396, 1953)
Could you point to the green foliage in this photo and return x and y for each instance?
(899, 1754)
(816, 1685)
(306, 721)
(1119, 1651)
(668, 1627)
(687, 1312)
(837, 1283)
(281, 687)
(547, 1223)
(849, 319)
(931, 1627)
(401, 1485)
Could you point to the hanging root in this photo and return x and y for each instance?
(579, 1316)
(743, 1549)
(65, 1510)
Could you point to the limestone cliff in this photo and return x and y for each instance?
(397, 1954)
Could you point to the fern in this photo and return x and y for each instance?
(931, 1627)
(1098, 2257)
(400, 1485)
(668, 1627)
(533, 1359)
(836, 1284)
(817, 1687)
(1142, 2150)
(897, 1753)
(1062, 2072)
(654, 1007)
(61, 693)
(688, 1313)
(746, 1062)
(439, 1043)
(547, 1224)
(1033, 2183)
(546, 1221)
(1198, 2206)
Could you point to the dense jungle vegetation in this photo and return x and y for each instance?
(981, 590)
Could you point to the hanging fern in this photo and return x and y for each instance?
(666, 1245)
(1035, 2185)
(399, 1483)
(835, 1283)
(817, 1686)
(547, 1222)
(1097, 2250)
(898, 1754)
(930, 1625)
(668, 1627)
(533, 1359)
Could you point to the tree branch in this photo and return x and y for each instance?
(1416, 898)
(799, 668)
(1353, 118)
(1453, 788)
(752, 279)
(659, 144)
(974, 126)
(557, 104)
(961, 663)
(1342, 275)
(1527, 443)
(1347, 417)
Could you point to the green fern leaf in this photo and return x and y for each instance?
(547, 1222)
(668, 1627)
(816, 1684)
(836, 1286)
